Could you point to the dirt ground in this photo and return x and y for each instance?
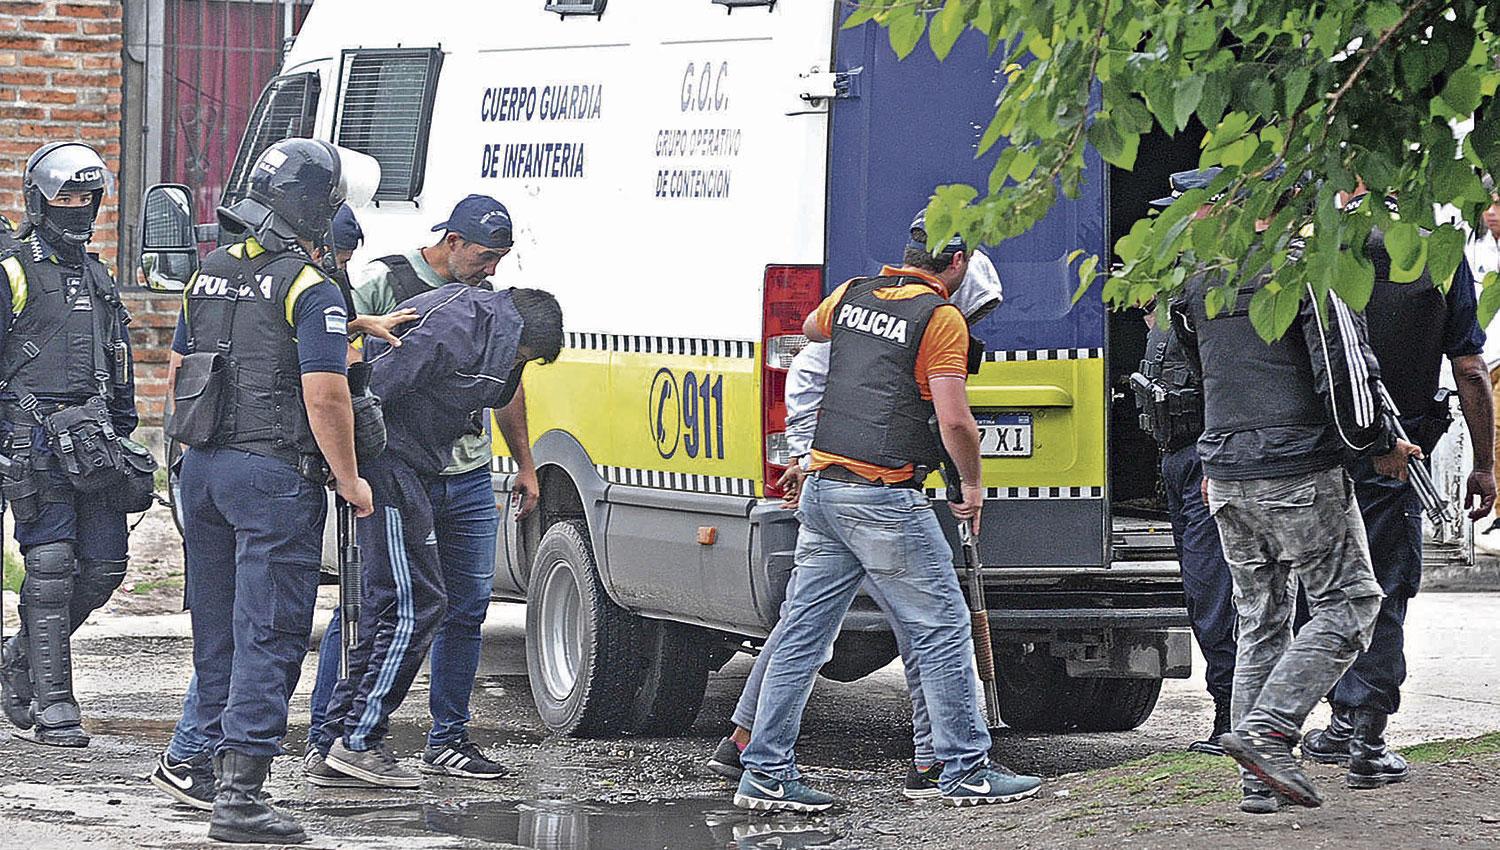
(1134, 789)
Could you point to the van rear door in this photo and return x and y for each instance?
(1040, 397)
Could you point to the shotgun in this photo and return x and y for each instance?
(351, 583)
(1438, 510)
(979, 616)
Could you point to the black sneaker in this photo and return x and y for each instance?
(315, 771)
(463, 759)
(1268, 755)
(190, 782)
(1258, 799)
(376, 766)
(922, 784)
(726, 761)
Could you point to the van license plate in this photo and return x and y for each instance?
(1004, 434)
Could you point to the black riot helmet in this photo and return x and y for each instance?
(296, 187)
(59, 167)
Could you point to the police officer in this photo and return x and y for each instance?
(67, 390)
(1171, 404)
(898, 356)
(1412, 327)
(462, 356)
(1280, 419)
(264, 318)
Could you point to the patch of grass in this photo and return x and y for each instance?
(15, 571)
(1454, 748)
(168, 583)
(1086, 833)
(160, 479)
(1178, 777)
(1138, 828)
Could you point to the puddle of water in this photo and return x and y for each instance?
(690, 824)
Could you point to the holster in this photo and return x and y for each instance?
(19, 487)
(197, 402)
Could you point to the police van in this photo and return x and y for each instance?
(690, 179)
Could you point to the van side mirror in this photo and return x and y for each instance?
(169, 245)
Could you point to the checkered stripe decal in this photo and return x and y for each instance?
(1043, 354)
(715, 484)
(735, 348)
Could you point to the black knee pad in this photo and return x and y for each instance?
(49, 574)
(97, 581)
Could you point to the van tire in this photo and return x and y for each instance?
(582, 687)
(1116, 705)
(1036, 692)
(676, 665)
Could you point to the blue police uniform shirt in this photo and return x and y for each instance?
(1462, 335)
(319, 348)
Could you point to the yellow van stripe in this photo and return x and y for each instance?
(17, 274)
(307, 278)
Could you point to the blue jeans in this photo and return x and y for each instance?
(921, 724)
(187, 740)
(466, 522)
(851, 532)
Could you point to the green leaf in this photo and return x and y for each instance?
(1489, 299)
(1186, 99)
(1454, 181)
(1273, 308)
(1215, 98)
(1404, 243)
(946, 27)
(906, 27)
(1086, 275)
(1023, 165)
(1117, 150)
(1445, 250)
(866, 12)
(1294, 88)
(1354, 280)
(1461, 95)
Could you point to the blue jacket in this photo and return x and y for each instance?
(459, 357)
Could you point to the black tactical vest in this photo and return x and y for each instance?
(404, 280)
(1173, 416)
(1406, 323)
(67, 342)
(1249, 383)
(872, 410)
(263, 411)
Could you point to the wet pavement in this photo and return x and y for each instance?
(566, 794)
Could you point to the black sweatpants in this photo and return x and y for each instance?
(401, 608)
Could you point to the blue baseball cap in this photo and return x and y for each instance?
(480, 219)
(1200, 178)
(347, 234)
(920, 224)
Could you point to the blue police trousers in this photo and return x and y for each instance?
(253, 538)
(1205, 574)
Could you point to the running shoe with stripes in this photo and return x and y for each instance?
(461, 758)
(760, 792)
(375, 765)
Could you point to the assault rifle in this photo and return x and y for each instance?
(1437, 508)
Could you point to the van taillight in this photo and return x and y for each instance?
(791, 292)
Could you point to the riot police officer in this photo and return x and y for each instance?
(67, 391)
(1170, 398)
(262, 401)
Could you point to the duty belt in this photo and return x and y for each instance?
(845, 476)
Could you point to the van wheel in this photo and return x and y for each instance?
(1116, 705)
(677, 661)
(1036, 692)
(582, 650)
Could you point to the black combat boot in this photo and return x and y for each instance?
(15, 682)
(1330, 745)
(241, 813)
(1210, 745)
(1371, 763)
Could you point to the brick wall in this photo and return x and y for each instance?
(60, 79)
(153, 318)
